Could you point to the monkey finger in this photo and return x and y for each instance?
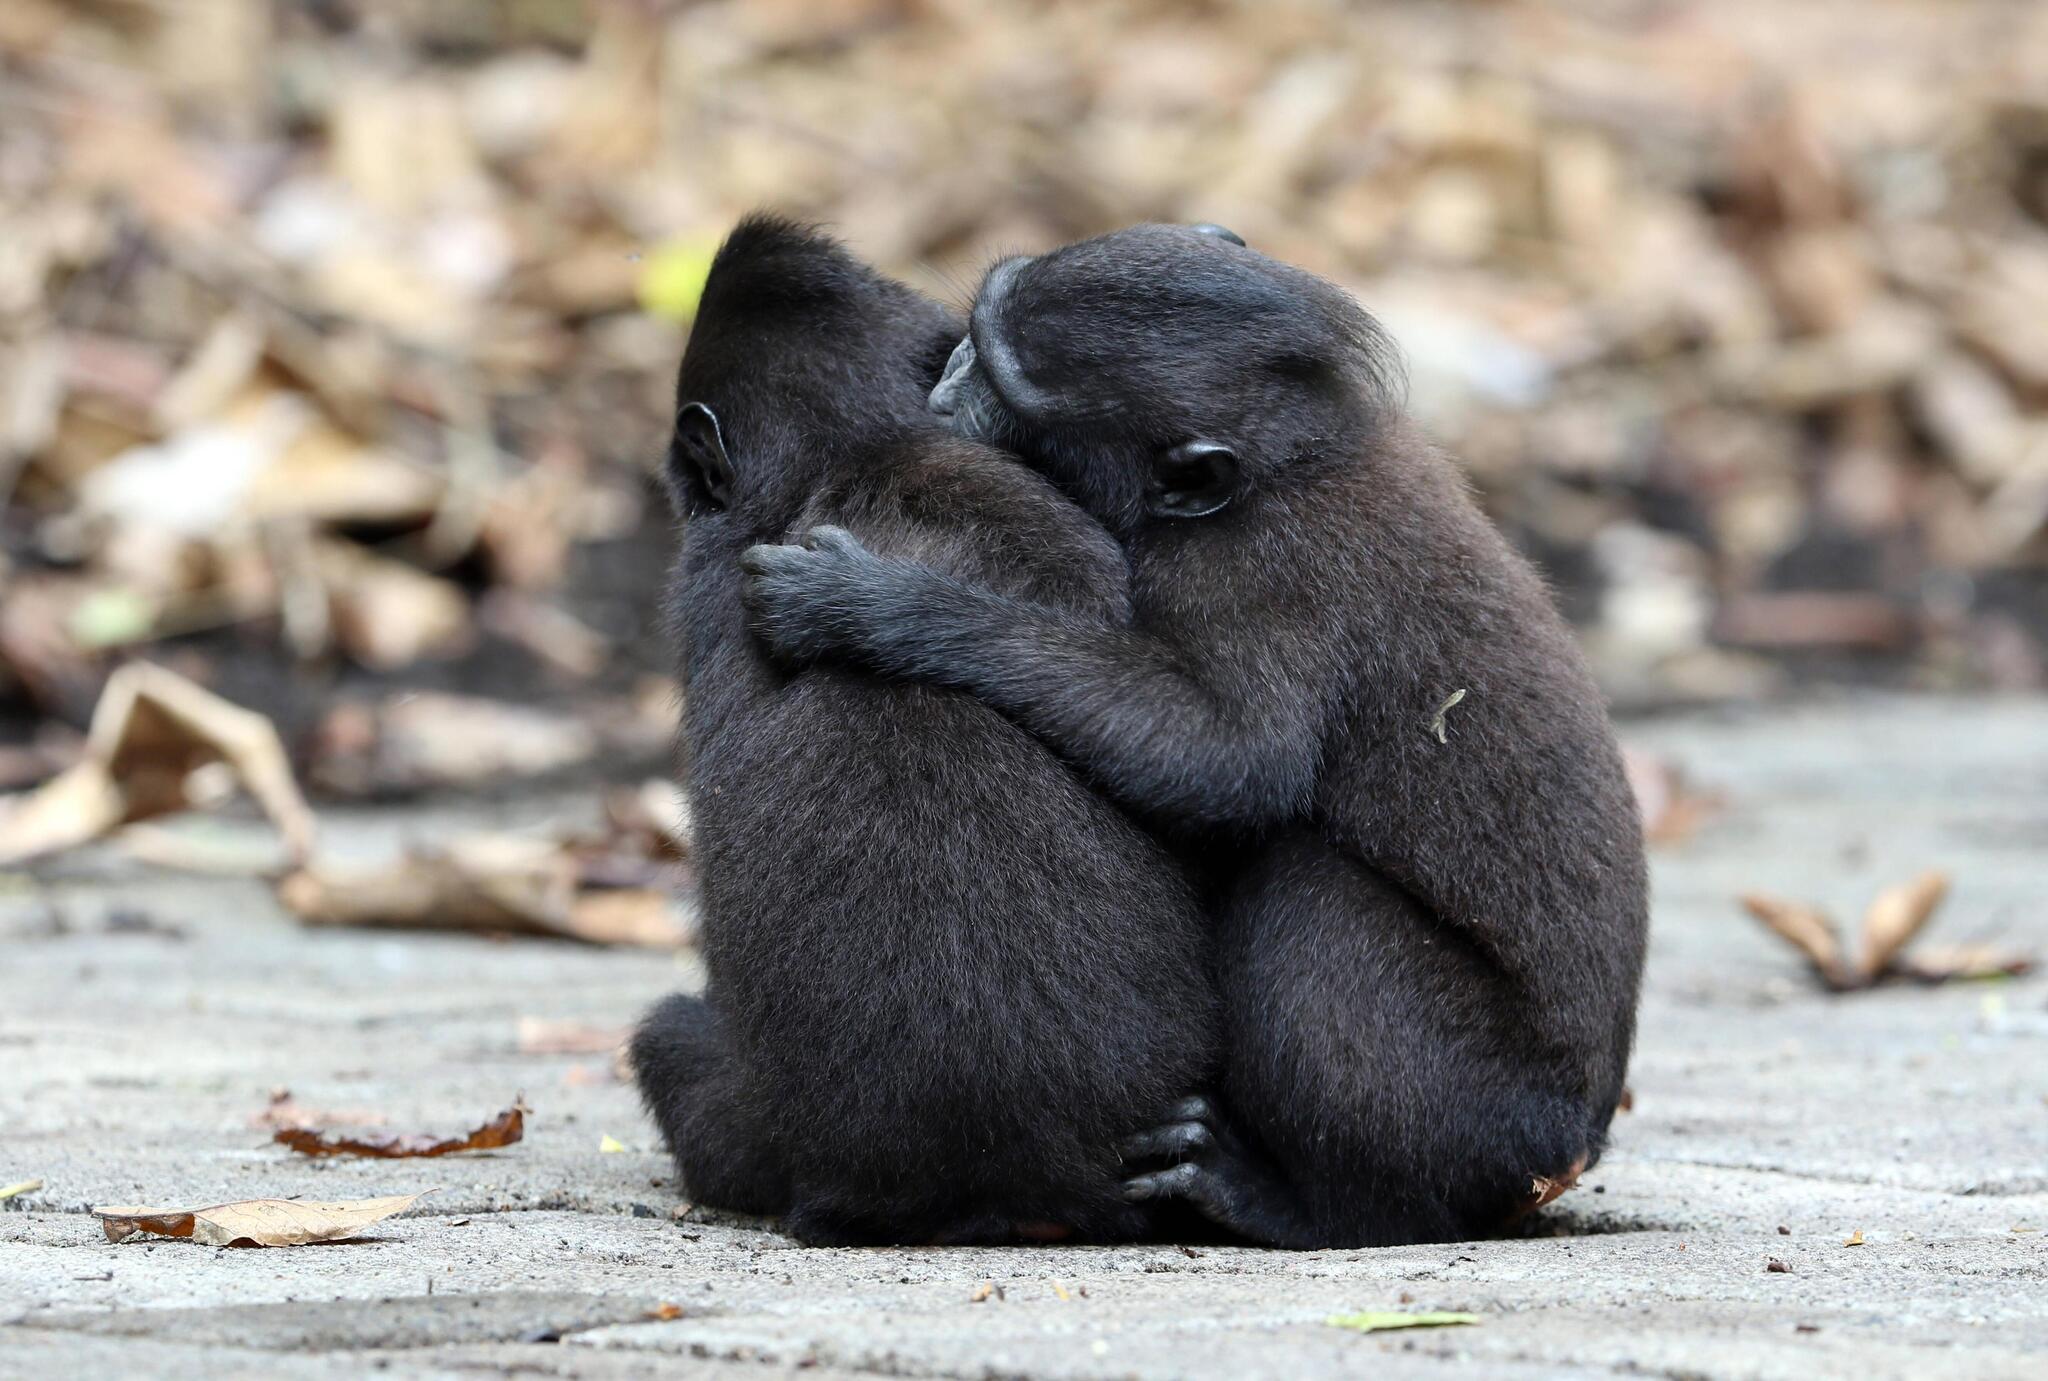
(767, 557)
(826, 537)
(1178, 1140)
(1193, 1108)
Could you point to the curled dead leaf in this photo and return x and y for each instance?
(1544, 1188)
(154, 734)
(255, 1222)
(506, 1128)
(1670, 808)
(1808, 930)
(1897, 915)
(500, 884)
(540, 1036)
(1894, 918)
(1942, 963)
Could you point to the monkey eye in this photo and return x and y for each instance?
(1219, 232)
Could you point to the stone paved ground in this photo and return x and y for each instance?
(1770, 1121)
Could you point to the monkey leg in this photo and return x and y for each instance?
(692, 1083)
(1380, 1082)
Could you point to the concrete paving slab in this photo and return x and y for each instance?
(135, 1057)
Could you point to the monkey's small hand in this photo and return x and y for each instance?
(808, 601)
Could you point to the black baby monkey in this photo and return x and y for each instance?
(1338, 687)
(947, 978)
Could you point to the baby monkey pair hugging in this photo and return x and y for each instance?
(1086, 847)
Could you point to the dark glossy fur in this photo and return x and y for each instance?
(946, 977)
(1430, 950)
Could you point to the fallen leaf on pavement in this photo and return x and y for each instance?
(502, 884)
(1808, 930)
(1940, 963)
(1376, 1323)
(415, 742)
(1544, 1188)
(1670, 808)
(255, 1222)
(504, 1129)
(154, 739)
(1894, 918)
(540, 1036)
(610, 1145)
(1855, 1239)
(18, 1188)
(654, 815)
(665, 1311)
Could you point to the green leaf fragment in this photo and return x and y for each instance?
(672, 279)
(1376, 1323)
(112, 618)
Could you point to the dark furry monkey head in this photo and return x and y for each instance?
(798, 352)
(1164, 373)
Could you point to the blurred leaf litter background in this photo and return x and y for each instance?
(337, 337)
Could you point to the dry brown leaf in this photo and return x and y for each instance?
(153, 734)
(388, 614)
(506, 1128)
(1893, 919)
(1897, 915)
(493, 883)
(541, 1036)
(256, 1222)
(1855, 1239)
(654, 816)
(1808, 930)
(1671, 810)
(419, 741)
(1544, 1188)
(552, 634)
(1943, 963)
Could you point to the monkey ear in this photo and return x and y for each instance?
(1193, 480)
(699, 474)
(1212, 229)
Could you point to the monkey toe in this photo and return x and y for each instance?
(1173, 1141)
(1175, 1182)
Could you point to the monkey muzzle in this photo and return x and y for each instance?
(966, 398)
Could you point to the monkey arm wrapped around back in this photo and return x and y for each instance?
(1114, 700)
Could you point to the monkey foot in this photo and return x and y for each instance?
(1211, 1169)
